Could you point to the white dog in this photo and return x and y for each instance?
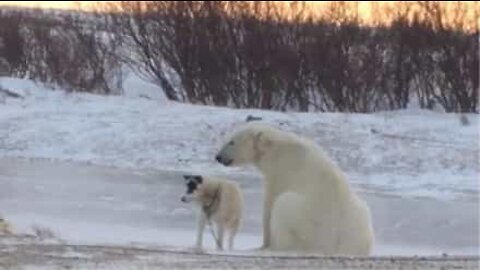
(220, 201)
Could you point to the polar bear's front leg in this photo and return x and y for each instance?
(267, 215)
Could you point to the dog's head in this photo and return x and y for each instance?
(192, 182)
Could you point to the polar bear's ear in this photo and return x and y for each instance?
(260, 140)
(256, 137)
(261, 143)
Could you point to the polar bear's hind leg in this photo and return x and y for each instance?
(289, 210)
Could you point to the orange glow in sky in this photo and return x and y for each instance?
(73, 4)
(49, 4)
(370, 12)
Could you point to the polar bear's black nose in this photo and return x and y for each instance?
(224, 161)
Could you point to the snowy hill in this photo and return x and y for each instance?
(408, 153)
(85, 175)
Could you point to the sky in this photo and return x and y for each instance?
(48, 4)
(87, 4)
(365, 8)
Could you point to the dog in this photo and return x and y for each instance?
(220, 202)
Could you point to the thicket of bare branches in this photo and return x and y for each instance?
(260, 54)
(12, 60)
(65, 50)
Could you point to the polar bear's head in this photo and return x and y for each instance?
(246, 145)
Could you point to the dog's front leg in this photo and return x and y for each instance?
(200, 229)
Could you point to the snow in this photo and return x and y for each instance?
(408, 153)
(105, 169)
(136, 87)
(92, 205)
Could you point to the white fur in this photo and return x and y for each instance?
(228, 216)
(308, 203)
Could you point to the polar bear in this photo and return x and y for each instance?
(308, 204)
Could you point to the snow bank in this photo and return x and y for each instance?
(418, 153)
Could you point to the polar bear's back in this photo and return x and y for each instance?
(308, 161)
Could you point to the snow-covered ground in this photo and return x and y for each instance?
(408, 153)
(104, 169)
(94, 205)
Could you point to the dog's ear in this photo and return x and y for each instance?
(189, 177)
(198, 179)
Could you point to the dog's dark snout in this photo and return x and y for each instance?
(218, 158)
(183, 199)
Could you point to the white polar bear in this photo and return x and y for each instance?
(308, 205)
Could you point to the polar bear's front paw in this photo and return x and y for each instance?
(261, 248)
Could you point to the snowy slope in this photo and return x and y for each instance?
(408, 153)
(94, 205)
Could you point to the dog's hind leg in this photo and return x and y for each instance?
(231, 238)
(220, 233)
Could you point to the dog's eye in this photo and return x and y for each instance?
(230, 143)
